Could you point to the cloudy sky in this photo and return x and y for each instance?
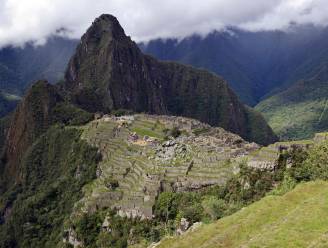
(35, 20)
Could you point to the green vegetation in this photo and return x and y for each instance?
(199, 131)
(118, 232)
(121, 112)
(68, 114)
(173, 132)
(315, 165)
(148, 128)
(300, 111)
(54, 171)
(274, 221)
(4, 125)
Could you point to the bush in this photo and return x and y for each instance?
(88, 228)
(68, 114)
(175, 132)
(316, 164)
(121, 112)
(214, 207)
(285, 186)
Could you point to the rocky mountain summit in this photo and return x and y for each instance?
(108, 72)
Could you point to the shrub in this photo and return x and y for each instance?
(69, 114)
(214, 207)
(285, 186)
(121, 112)
(175, 132)
(316, 164)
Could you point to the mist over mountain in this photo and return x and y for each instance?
(254, 63)
(19, 67)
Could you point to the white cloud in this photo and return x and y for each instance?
(26, 20)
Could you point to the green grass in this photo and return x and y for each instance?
(147, 132)
(148, 128)
(296, 219)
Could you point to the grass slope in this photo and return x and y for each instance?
(296, 219)
(301, 110)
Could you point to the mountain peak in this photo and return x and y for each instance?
(109, 72)
(105, 24)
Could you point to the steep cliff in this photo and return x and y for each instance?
(42, 107)
(108, 72)
(30, 119)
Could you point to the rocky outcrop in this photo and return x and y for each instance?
(108, 72)
(183, 226)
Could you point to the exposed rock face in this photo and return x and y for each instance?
(183, 227)
(31, 118)
(108, 71)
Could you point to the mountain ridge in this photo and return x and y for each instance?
(254, 63)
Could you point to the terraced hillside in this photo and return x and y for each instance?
(296, 219)
(144, 155)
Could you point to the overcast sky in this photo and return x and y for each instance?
(35, 20)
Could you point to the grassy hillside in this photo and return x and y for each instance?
(301, 110)
(296, 219)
